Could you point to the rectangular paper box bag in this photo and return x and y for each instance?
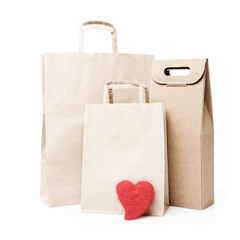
(189, 128)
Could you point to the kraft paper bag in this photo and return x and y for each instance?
(190, 130)
(69, 81)
(124, 141)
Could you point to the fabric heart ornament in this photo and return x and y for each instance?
(135, 199)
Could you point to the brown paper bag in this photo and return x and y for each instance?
(69, 81)
(189, 128)
(123, 142)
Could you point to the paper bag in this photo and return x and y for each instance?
(189, 128)
(124, 141)
(69, 81)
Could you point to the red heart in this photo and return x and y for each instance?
(135, 199)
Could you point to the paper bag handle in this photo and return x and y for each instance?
(108, 97)
(105, 26)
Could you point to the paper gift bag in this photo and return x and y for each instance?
(69, 81)
(189, 128)
(124, 141)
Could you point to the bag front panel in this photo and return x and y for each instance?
(70, 80)
(122, 142)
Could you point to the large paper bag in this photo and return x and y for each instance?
(124, 141)
(69, 81)
(189, 128)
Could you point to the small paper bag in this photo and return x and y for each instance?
(125, 141)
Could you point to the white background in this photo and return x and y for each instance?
(169, 29)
